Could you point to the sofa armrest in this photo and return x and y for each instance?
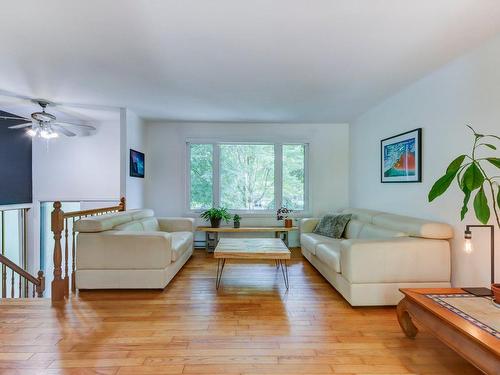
(176, 224)
(307, 225)
(123, 250)
(395, 260)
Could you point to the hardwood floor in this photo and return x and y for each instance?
(250, 326)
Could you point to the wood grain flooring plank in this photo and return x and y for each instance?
(251, 325)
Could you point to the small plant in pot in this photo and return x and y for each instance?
(215, 215)
(282, 214)
(236, 220)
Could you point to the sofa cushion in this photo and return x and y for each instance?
(415, 227)
(370, 231)
(150, 224)
(93, 224)
(361, 214)
(131, 226)
(332, 225)
(310, 241)
(353, 228)
(123, 250)
(329, 254)
(412, 226)
(181, 241)
(141, 213)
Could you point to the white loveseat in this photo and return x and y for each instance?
(131, 250)
(379, 254)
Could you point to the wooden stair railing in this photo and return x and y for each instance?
(59, 225)
(38, 282)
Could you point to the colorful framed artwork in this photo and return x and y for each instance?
(401, 157)
(136, 164)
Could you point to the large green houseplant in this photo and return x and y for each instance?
(471, 175)
(215, 215)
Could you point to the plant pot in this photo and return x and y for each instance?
(236, 224)
(288, 223)
(215, 223)
(495, 288)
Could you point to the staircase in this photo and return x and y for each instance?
(26, 281)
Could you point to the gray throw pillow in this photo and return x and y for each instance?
(332, 225)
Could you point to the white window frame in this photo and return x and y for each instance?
(278, 176)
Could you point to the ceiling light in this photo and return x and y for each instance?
(31, 132)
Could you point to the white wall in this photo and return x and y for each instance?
(166, 161)
(78, 168)
(74, 169)
(466, 91)
(132, 137)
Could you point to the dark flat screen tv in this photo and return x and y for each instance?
(15, 158)
(136, 164)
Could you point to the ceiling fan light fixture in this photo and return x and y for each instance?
(45, 134)
(45, 125)
(48, 134)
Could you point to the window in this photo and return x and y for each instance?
(247, 177)
(294, 176)
(201, 194)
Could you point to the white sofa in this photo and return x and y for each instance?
(131, 250)
(379, 254)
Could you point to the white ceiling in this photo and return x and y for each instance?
(233, 60)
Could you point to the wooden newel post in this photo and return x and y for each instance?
(57, 226)
(122, 204)
(40, 288)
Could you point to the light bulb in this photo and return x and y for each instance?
(31, 132)
(53, 135)
(45, 134)
(468, 248)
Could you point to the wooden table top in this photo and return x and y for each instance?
(482, 337)
(251, 248)
(245, 229)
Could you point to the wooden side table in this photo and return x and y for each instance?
(466, 335)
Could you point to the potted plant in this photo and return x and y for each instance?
(215, 215)
(477, 177)
(236, 220)
(282, 214)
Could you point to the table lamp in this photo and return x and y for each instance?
(468, 248)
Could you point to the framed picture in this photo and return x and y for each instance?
(136, 164)
(401, 157)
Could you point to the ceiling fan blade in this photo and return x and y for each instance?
(20, 126)
(63, 130)
(14, 118)
(77, 125)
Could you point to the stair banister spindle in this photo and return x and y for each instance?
(73, 246)
(57, 223)
(66, 276)
(12, 284)
(40, 288)
(4, 268)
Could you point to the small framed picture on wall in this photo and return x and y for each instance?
(401, 157)
(136, 164)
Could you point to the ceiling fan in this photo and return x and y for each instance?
(45, 125)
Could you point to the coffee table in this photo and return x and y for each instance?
(252, 248)
(465, 323)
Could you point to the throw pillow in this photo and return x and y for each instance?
(332, 225)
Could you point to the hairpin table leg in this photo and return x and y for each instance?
(220, 268)
(284, 271)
